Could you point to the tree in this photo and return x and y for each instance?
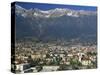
(75, 64)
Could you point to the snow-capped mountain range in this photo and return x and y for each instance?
(58, 23)
(57, 12)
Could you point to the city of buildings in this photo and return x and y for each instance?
(42, 57)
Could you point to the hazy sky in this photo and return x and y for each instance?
(44, 6)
